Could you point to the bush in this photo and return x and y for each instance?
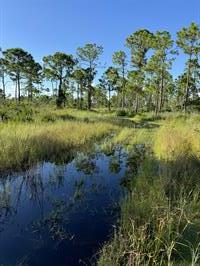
(121, 112)
(131, 113)
(16, 112)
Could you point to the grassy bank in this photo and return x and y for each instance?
(23, 144)
(160, 221)
(31, 133)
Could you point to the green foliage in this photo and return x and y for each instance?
(119, 59)
(59, 67)
(109, 82)
(188, 39)
(89, 54)
(14, 112)
(146, 84)
(139, 43)
(19, 65)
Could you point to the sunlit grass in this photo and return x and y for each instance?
(24, 143)
(178, 138)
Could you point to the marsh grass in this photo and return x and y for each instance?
(160, 221)
(33, 133)
(156, 227)
(23, 144)
(178, 138)
(39, 113)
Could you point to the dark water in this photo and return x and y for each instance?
(60, 214)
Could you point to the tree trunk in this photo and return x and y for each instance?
(123, 90)
(161, 93)
(16, 90)
(157, 102)
(187, 87)
(78, 96)
(18, 87)
(30, 90)
(89, 97)
(60, 94)
(90, 87)
(123, 84)
(122, 98)
(31, 93)
(81, 96)
(109, 105)
(137, 103)
(149, 101)
(4, 86)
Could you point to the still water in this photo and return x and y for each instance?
(60, 215)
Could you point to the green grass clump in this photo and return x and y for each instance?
(178, 138)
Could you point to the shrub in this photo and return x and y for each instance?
(121, 112)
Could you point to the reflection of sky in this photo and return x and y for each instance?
(50, 189)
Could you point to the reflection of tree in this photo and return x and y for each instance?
(114, 165)
(56, 176)
(115, 161)
(53, 223)
(11, 193)
(57, 196)
(5, 203)
(85, 164)
(79, 189)
(133, 163)
(34, 183)
(35, 186)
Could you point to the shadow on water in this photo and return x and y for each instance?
(60, 214)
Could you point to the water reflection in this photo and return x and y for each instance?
(60, 214)
(86, 164)
(134, 162)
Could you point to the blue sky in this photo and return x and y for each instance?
(43, 27)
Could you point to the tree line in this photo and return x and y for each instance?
(143, 82)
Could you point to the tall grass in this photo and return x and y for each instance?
(178, 138)
(23, 144)
(160, 221)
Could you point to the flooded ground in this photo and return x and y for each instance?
(60, 214)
